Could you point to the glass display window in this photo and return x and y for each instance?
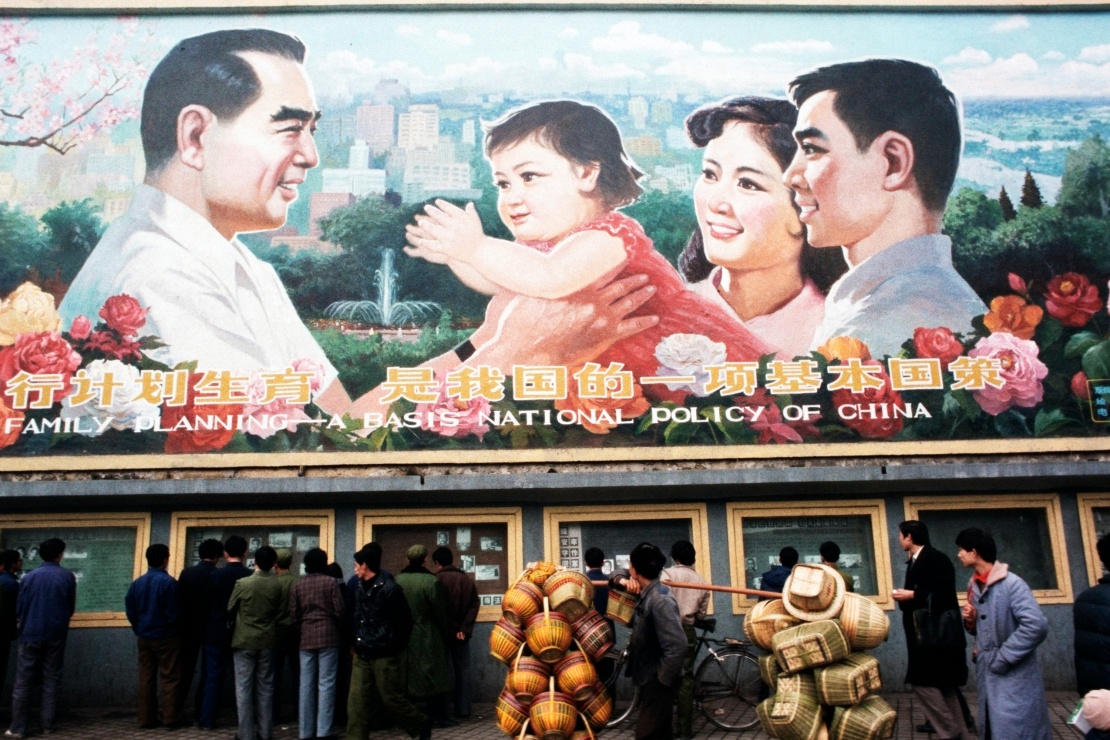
(297, 531)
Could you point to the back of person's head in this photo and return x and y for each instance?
(370, 555)
(235, 546)
(683, 552)
(443, 556)
(157, 555)
(788, 556)
(578, 132)
(594, 557)
(9, 559)
(210, 549)
(207, 70)
(51, 549)
(265, 557)
(915, 530)
(1103, 548)
(830, 551)
(285, 558)
(416, 555)
(316, 561)
(978, 540)
(874, 96)
(648, 560)
(335, 570)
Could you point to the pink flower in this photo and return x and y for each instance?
(451, 417)
(305, 365)
(123, 314)
(939, 343)
(81, 328)
(40, 353)
(1021, 373)
(769, 424)
(266, 419)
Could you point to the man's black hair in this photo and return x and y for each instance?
(443, 556)
(265, 557)
(788, 556)
(210, 549)
(648, 560)
(157, 555)
(978, 540)
(316, 561)
(683, 552)
(371, 556)
(235, 546)
(51, 549)
(206, 70)
(915, 530)
(594, 557)
(830, 551)
(874, 96)
(9, 558)
(1103, 548)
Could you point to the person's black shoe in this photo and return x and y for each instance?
(426, 731)
(926, 727)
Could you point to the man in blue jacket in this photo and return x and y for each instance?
(153, 611)
(47, 600)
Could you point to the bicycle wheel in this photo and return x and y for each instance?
(726, 689)
(624, 693)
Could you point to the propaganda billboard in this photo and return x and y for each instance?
(374, 236)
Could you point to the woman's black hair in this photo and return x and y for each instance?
(773, 121)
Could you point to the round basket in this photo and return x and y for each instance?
(575, 675)
(521, 601)
(553, 716)
(596, 707)
(570, 592)
(548, 636)
(505, 640)
(539, 572)
(621, 606)
(765, 619)
(528, 678)
(813, 592)
(594, 634)
(865, 624)
(510, 714)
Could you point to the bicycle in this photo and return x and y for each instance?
(726, 682)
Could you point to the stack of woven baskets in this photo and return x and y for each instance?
(550, 636)
(823, 685)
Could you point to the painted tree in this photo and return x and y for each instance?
(1009, 213)
(1030, 193)
(62, 102)
(1085, 187)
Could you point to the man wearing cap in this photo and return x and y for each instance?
(424, 661)
(286, 646)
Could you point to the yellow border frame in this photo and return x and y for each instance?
(141, 523)
(181, 521)
(554, 516)
(511, 517)
(873, 508)
(1087, 503)
(1050, 502)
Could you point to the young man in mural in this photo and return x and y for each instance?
(227, 126)
(878, 147)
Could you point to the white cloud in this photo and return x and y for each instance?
(1008, 25)
(344, 74)
(1095, 54)
(548, 63)
(482, 66)
(969, 57)
(807, 46)
(569, 33)
(453, 37)
(627, 36)
(715, 47)
(1053, 55)
(1022, 73)
(407, 31)
(581, 64)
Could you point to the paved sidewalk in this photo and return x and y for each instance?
(119, 724)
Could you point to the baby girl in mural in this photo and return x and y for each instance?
(561, 173)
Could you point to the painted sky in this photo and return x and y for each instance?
(694, 54)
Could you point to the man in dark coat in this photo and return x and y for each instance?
(775, 579)
(934, 674)
(217, 635)
(196, 602)
(1092, 629)
(462, 613)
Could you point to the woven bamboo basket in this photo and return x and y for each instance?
(871, 719)
(523, 600)
(792, 713)
(594, 634)
(575, 674)
(570, 592)
(553, 714)
(865, 624)
(621, 606)
(585, 734)
(524, 734)
(846, 683)
(539, 572)
(814, 588)
(810, 645)
(769, 668)
(765, 619)
(596, 707)
(548, 635)
(505, 640)
(510, 714)
(528, 678)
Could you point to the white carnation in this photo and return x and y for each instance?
(123, 411)
(689, 354)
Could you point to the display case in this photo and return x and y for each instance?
(299, 531)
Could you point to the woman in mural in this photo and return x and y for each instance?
(749, 255)
(562, 174)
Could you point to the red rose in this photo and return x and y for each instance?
(1079, 386)
(1071, 299)
(868, 409)
(123, 314)
(81, 328)
(191, 440)
(39, 353)
(114, 349)
(939, 343)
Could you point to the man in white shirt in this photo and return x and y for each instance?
(227, 128)
(878, 148)
(693, 605)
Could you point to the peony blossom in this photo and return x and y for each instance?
(81, 328)
(1079, 386)
(41, 353)
(939, 343)
(193, 431)
(1011, 314)
(305, 365)
(122, 410)
(264, 419)
(112, 348)
(1071, 299)
(1022, 373)
(123, 315)
(598, 415)
(27, 310)
(844, 348)
(868, 425)
(689, 354)
(451, 417)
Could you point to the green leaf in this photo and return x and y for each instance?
(1051, 420)
(963, 400)
(679, 434)
(238, 443)
(1096, 361)
(1079, 343)
(1049, 331)
(1012, 424)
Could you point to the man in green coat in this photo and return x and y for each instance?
(424, 661)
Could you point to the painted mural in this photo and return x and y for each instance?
(532, 231)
